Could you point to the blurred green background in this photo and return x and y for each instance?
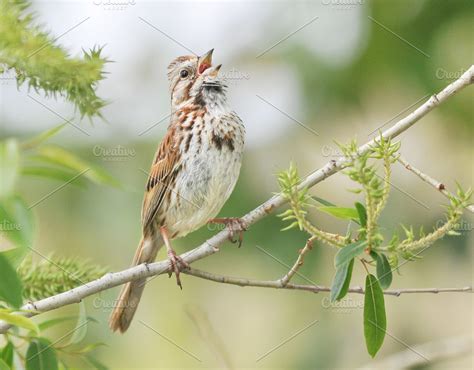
(358, 66)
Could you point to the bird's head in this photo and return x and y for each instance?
(194, 79)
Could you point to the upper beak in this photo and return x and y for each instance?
(205, 61)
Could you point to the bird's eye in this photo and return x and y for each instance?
(184, 73)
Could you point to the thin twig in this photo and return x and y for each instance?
(299, 262)
(277, 284)
(431, 181)
(211, 245)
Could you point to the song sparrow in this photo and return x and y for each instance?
(193, 173)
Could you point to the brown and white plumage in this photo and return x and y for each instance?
(194, 169)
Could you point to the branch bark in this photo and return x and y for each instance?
(279, 284)
(299, 262)
(211, 246)
(431, 181)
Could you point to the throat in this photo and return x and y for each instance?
(213, 98)
(217, 107)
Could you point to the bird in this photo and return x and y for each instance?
(193, 173)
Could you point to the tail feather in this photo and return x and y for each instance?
(127, 302)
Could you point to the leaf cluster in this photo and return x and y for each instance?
(33, 348)
(43, 65)
(55, 275)
(368, 244)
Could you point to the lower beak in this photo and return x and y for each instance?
(215, 70)
(205, 61)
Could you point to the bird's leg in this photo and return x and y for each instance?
(234, 224)
(176, 262)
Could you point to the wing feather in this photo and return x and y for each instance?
(160, 179)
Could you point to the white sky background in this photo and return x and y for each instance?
(137, 85)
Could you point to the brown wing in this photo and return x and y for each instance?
(161, 175)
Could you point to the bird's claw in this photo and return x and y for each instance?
(233, 224)
(177, 264)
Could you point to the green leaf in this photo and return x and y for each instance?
(324, 202)
(54, 173)
(55, 321)
(16, 221)
(41, 355)
(348, 252)
(3, 365)
(80, 330)
(342, 279)
(89, 348)
(7, 354)
(341, 212)
(10, 284)
(15, 256)
(94, 362)
(20, 321)
(59, 320)
(62, 157)
(42, 137)
(375, 321)
(9, 166)
(384, 270)
(362, 213)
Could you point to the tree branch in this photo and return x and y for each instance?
(211, 246)
(299, 262)
(431, 181)
(278, 284)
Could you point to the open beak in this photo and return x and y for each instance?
(205, 61)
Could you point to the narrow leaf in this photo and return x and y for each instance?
(54, 173)
(7, 354)
(60, 156)
(362, 213)
(16, 221)
(342, 279)
(41, 355)
(59, 320)
(20, 321)
(341, 212)
(80, 330)
(10, 284)
(375, 321)
(9, 166)
(3, 365)
(42, 137)
(348, 252)
(55, 321)
(89, 348)
(324, 202)
(384, 270)
(94, 362)
(15, 255)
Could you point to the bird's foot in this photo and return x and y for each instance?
(234, 225)
(177, 264)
